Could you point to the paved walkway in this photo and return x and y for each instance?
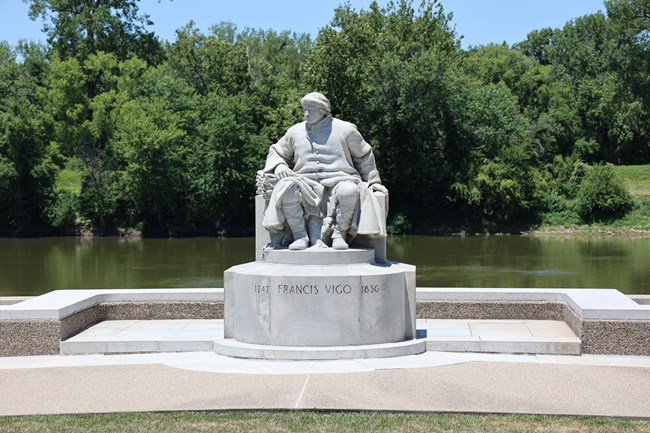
(434, 381)
(496, 336)
(479, 383)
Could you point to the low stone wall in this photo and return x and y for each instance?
(616, 337)
(603, 337)
(160, 310)
(30, 337)
(495, 310)
(76, 323)
(42, 337)
(492, 310)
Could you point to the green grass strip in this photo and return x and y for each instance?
(308, 421)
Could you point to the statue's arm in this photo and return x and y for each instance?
(280, 156)
(362, 157)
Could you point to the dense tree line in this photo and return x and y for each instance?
(167, 136)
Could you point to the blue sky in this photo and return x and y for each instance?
(479, 21)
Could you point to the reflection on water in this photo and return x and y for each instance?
(519, 261)
(547, 272)
(35, 266)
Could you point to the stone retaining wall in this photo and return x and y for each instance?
(42, 337)
(160, 310)
(29, 337)
(603, 337)
(616, 337)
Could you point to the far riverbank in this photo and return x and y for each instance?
(588, 231)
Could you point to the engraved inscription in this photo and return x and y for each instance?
(338, 289)
(261, 289)
(370, 288)
(299, 289)
(315, 289)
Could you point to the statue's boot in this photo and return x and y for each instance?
(347, 197)
(301, 243)
(338, 240)
(341, 226)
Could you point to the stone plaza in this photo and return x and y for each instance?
(568, 352)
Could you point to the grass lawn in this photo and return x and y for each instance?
(316, 422)
(637, 179)
(69, 179)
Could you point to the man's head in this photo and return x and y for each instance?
(315, 107)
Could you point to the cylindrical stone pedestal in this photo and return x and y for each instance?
(320, 298)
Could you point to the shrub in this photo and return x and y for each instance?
(61, 212)
(564, 218)
(399, 225)
(602, 195)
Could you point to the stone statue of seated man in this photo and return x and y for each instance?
(323, 183)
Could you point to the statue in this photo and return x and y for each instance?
(321, 180)
(332, 291)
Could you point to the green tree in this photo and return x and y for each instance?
(544, 98)
(632, 16)
(28, 160)
(85, 127)
(536, 45)
(209, 64)
(630, 20)
(604, 60)
(151, 144)
(222, 159)
(79, 28)
(356, 54)
(449, 131)
(496, 181)
(275, 65)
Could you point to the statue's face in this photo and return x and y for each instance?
(313, 114)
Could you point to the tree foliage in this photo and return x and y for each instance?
(166, 137)
(604, 61)
(78, 28)
(27, 158)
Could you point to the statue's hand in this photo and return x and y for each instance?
(378, 187)
(282, 171)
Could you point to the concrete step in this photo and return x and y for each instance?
(487, 336)
(500, 336)
(145, 336)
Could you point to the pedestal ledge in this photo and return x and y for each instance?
(238, 349)
(320, 256)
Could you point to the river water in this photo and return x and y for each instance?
(36, 266)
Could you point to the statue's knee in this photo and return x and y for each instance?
(291, 195)
(347, 193)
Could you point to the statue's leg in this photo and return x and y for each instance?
(347, 196)
(314, 227)
(295, 217)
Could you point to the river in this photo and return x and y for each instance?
(36, 266)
